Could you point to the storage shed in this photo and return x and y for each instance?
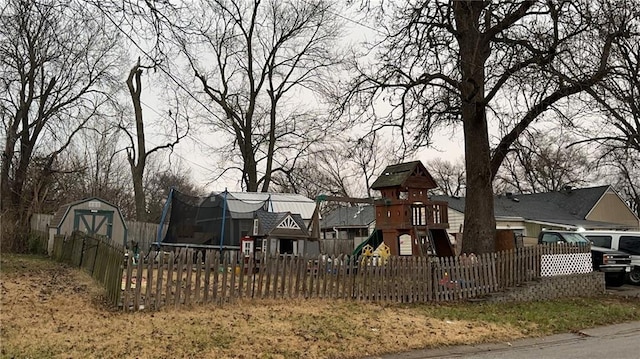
(91, 215)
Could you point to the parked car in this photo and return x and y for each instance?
(628, 242)
(616, 265)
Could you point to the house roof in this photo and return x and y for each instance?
(568, 207)
(357, 217)
(397, 175)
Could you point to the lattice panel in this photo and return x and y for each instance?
(563, 264)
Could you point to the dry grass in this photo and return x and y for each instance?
(51, 310)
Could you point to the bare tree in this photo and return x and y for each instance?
(617, 133)
(322, 171)
(617, 98)
(105, 171)
(55, 58)
(449, 176)
(343, 166)
(370, 155)
(447, 61)
(91, 169)
(544, 161)
(259, 63)
(622, 169)
(160, 183)
(137, 151)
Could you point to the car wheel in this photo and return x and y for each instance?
(634, 276)
(615, 280)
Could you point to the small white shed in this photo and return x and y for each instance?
(91, 215)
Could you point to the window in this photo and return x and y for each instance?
(574, 238)
(247, 247)
(404, 245)
(600, 241)
(418, 215)
(630, 244)
(551, 238)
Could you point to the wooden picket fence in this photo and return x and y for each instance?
(190, 277)
(100, 258)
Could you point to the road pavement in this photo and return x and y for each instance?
(614, 341)
(626, 291)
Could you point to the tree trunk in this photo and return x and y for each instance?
(251, 173)
(137, 166)
(138, 192)
(479, 219)
(250, 165)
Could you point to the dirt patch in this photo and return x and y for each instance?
(52, 310)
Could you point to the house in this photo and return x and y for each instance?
(343, 229)
(527, 214)
(411, 223)
(271, 222)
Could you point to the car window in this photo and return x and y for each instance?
(551, 238)
(599, 240)
(575, 238)
(630, 244)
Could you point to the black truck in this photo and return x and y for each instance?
(616, 265)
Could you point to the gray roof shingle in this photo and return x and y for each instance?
(270, 220)
(359, 216)
(573, 205)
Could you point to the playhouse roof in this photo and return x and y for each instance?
(271, 222)
(398, 175)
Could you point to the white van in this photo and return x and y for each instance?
(628, 242)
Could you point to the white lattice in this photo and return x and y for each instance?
(288, 223)
(563, 264)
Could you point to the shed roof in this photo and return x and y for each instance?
(397, 175)
(61, 213)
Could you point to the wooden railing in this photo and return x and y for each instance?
(437, 214)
